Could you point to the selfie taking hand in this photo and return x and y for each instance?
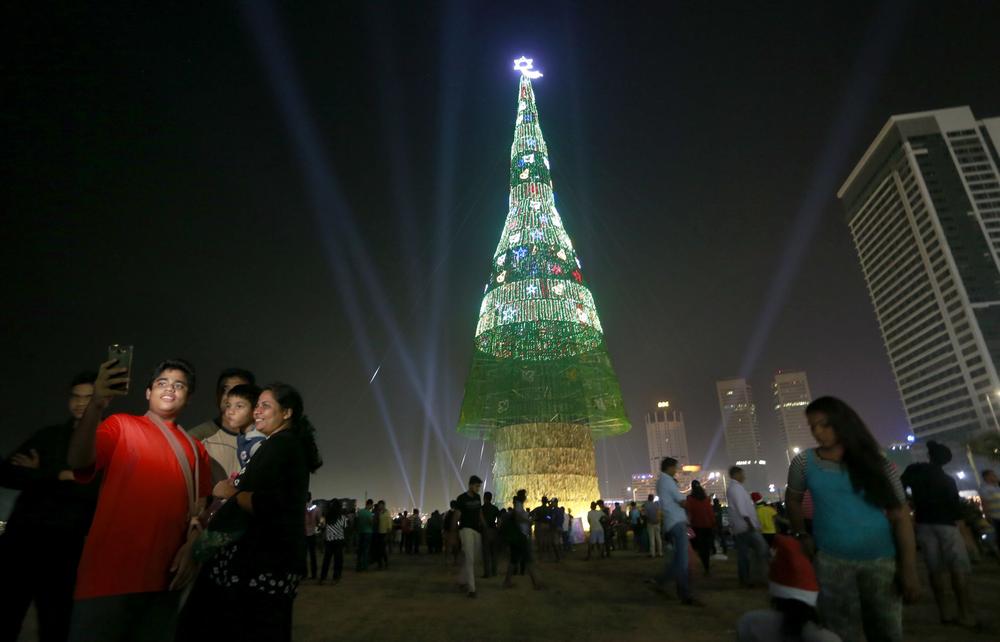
(111, 381)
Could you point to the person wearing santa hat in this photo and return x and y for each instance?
(794, 591)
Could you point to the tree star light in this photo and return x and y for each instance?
(525, 66)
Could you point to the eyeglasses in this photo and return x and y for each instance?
(163, 384)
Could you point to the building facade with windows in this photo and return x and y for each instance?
(791, 396)
(742, 430)
(666, 436)
(923, 208)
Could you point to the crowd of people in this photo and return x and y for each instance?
(130, 528)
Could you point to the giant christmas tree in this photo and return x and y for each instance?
(542, 386)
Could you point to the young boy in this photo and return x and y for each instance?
(231, 446)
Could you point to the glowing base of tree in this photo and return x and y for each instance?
(550, 459)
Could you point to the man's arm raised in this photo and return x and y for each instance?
(82, 445)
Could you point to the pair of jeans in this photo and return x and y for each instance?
(677, 564)
(472, 543)
(311, 554)
(491, 551)
(364, 550)
(751, 557)
(380, 550)
(334, 549)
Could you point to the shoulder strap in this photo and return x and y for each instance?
(190, 476)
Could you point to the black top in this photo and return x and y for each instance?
(46, 503)
(470, 508)
(278, 477)
(934, 492)
(490, 514)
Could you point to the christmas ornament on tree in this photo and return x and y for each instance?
(541, 386)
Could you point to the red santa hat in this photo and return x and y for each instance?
(756, 497)
(792, 575)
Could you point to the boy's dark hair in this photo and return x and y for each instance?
(487, 495)
(87, 376)
(475, 480)
(174, 364)
(228, 373)
(667, 463)
(368, 502)
(247, 391)
(651, 498)
(735, 469)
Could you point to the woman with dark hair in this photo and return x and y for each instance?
(701, 517)
(259, 573)
(336, 522)
(864, 544)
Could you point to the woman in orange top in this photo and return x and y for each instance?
(702, 520)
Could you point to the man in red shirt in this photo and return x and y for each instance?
(137, 555)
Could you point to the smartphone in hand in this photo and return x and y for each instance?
(122, 355)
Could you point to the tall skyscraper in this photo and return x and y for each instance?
(666, 436)
(923, 207)
(791, 396)
(739, 418)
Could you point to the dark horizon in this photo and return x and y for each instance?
(315, 193)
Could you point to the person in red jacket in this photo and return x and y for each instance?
(701, 517)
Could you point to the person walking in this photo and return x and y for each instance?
(751, 549)
(491, 536)
(702, 520)
(989, 493)
(595, 521)
(312, 516)
(654, 526)
(470, 510)
(381, 532)
(515, 529)
(416, 528)
(336, 521)
(676, 528)
(364, 523)
(862, 539)
(938, 512)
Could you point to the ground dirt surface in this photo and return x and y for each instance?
(417, 599)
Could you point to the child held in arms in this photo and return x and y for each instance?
(240, 403)
(231, 447)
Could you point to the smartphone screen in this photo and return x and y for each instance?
(123, 356)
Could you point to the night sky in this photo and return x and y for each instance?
(314, 190)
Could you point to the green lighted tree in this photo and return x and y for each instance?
(540, 355)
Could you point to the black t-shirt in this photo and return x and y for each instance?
(278, 476)
(935, 494)
(490, 514)
(470, 508)
(48, 504)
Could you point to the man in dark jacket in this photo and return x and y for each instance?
(40, 549)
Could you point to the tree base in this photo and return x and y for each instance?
(546, 459)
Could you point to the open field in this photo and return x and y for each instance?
(417, 600)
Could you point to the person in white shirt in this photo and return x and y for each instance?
(594, 520)
(675, 529)
(751, 548)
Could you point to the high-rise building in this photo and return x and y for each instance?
(666, 436)
(739, 420)
(923, 207)
(791, 396)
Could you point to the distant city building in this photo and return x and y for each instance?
(923, 208)
(643, 485)
(791, 396)
(666, 436)
(739, 420)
